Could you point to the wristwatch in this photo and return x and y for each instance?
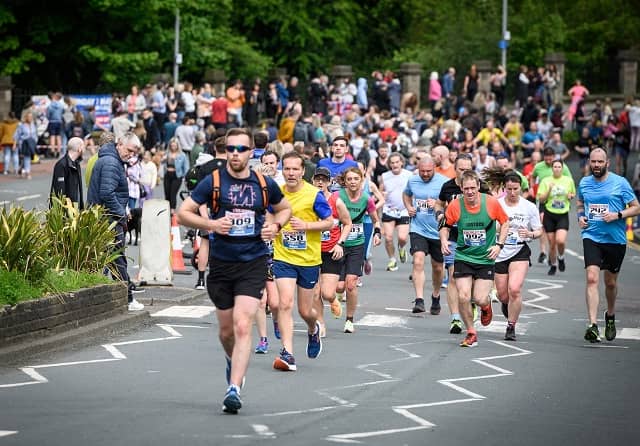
(619, 215)
(500, 245)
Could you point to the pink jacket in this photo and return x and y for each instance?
(435, 90)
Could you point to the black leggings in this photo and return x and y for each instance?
(171, 187)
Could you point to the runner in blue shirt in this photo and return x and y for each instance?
(338, 162)
(419, 198)
(605, 200)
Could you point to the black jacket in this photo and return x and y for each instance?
(67, 180)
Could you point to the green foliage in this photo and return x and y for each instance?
(23, 249)
(79, 240)
(14, 288)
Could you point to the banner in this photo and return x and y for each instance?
(100, 102)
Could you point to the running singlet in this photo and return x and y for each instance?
(542, 170)
(451, 191)
(240, 199)
(299, 247)
(330, 238)
(357, 209)
(557, 200)
(476, 231)
(424, 222)
(394, 185)
(610, 195)
(523, 215)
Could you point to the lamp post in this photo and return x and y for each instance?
(506, 36)
(177, 57)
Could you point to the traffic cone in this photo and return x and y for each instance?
(630, 229)
(177, 263)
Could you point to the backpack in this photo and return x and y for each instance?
(215, 196)
(192, 177)
(301, 133)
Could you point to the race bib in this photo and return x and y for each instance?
(557, 204)
(357, 230)
(512, 237)
(294, 239)
(269, 244)
(422, 206)
(325, 236)
(242, 223)
(393, 213)
(597, 211)
(475, 237)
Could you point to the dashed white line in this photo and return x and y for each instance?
(7, 433)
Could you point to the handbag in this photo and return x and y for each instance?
(28, 147)
(143, 190)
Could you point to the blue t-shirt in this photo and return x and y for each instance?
(336, 169)
(241, 199)
(425, 223)
(610, 195)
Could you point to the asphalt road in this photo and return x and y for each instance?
(398, 379)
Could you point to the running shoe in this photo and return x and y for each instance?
(263, 346)
(505, 310)
(348, 327)
(323, 330)
(200, 284)
(392, 265)
(419, 306)
(359, 283)
(493, 295)
(232, 401)
(561, 265)
(610, 327)
(592, 334)
(510, 334)
(336, 308)
(228, 373)
(402, 253)
(486, 314)
(542, 257)
(435, 306)
(134, 305)
(368, 266)
(276, 329)
(456, 326)
(445, 281)
(552, 270)
(410, 277)
(285, 362)
(135, 289)
(474, 310)
(314, 345)
(471, 340)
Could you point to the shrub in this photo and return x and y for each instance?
(23, 249)
(14, 288)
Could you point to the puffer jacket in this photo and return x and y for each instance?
(108, 184)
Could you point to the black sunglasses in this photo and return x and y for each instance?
(239, 148)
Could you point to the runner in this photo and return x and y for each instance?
(358, 204)
(394, 214)
(450, 191)
(478, 245)
(419, 198)
(338, 161)
(605, 200)
(370, 187)
(297, 258)
(556, 193)
(238, 266)
(332, 249)
(512, 264)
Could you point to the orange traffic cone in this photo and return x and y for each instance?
(177, 263)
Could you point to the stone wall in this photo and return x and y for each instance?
(36, 319)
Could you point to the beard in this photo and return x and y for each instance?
(239, 167)
(600, 172)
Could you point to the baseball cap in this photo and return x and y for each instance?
(322, 171)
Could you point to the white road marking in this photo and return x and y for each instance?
(404, 310)
(629, 333)
(185, 311)
(573, 253)
(603, 346)
(28, 197)
(381, 320)
(7, 433)
(501, 326)
(550, 285)
(263, 430)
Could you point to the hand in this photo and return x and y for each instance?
(269, 232)
(297, 224)
(610, 216)
(524, 233)
(582, 222)
(337, 252)
(222, 225)
(445, 249)
(493, 252)
(412, 211)
(377, 239)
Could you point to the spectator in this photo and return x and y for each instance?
(108, 187)
(54, 116)
(121, 124)
(188, 100)
(152, 138)
(67, 176)
(159, 105)
(470, 87)
(176, 166)
(148, 177)
(435, 90)
(135, 104)
(169, 128)
(134, 173)
(186, 134)
(8, 128)
(236, 99)
(198, 148)
(219, 111)
(25, 140)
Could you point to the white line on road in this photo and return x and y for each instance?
(571, 252)
(28, 197)
(7, 433)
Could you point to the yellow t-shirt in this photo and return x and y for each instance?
(300, 248)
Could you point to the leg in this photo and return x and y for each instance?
(351, 284)
(481, 289)
(463, 286)
(561, 241)
(437, 274)
(305, 308)
(418, 273)
(388, 228)
(7, 158)
(611, 291)
(452, 294)
(592, 296)
(403, 234)
(244, 313)
(502, 287)
(517, 273)
(225, 330)
(286, 290)
(551, 236)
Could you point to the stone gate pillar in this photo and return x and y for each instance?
(628, 77)
(484, 75)
(217, 79)
(559, 60)
(411, 73)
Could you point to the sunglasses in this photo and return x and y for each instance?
(239, 148)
